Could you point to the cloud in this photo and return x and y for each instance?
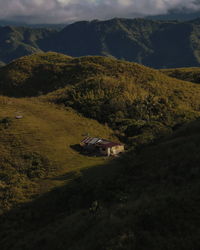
(57, 11)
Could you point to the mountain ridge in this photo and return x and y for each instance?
(158, 44)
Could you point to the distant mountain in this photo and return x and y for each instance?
(29, 25)
(182, 15)
(20, 41)
(159, 44)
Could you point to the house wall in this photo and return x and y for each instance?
(117, 149)
(105, 151)
(112, 151)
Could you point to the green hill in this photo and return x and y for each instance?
(140, 103)
(34, 75)
(149, 200)
(54, 197)
(40, 146)
(186, 74)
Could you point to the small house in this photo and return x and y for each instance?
(102, 146)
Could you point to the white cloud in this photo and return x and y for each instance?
(56, 11)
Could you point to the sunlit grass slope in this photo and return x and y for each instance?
(38, 146)
(140, 102)
(150, 202)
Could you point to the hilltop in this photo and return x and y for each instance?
(140, 103)
(154, 43)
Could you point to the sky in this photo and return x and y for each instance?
(61, 11)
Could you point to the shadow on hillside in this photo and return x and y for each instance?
(84, 188)
(67, 176)
(82, 151)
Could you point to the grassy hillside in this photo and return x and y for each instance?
(140, 103)
(150, 200)
(34, 75)
(40, 146)
(54, 197)
(186, 74)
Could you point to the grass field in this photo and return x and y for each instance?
(39, 145)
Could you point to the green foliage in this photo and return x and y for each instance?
(186, 74)
(105, 89)
(18, 41)
(160, 44)
(5, 122)
(146, 199)
(37, 147)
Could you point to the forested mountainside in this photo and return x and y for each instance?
(159, 44)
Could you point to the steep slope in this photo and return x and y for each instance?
(139, 102)
(147, 199)
(186, 74)
(34, 75)
(160, 44)
(39, 146)
(152, 201)
(121, 38)
(153, 43)
(18, 41)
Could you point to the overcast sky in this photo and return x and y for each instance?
(59, 11)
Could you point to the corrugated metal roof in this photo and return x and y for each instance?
(94, 140)
(85, 140)
(100, 142)
(90, 140)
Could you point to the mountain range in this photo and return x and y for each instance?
(158, 44)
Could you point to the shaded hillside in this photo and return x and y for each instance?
(34, 75)
(18, 41)
(160, 44)
(153, 43)
(140, 103)
(177, 14)
(186, 74)
(150, 200)
(39, 146)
